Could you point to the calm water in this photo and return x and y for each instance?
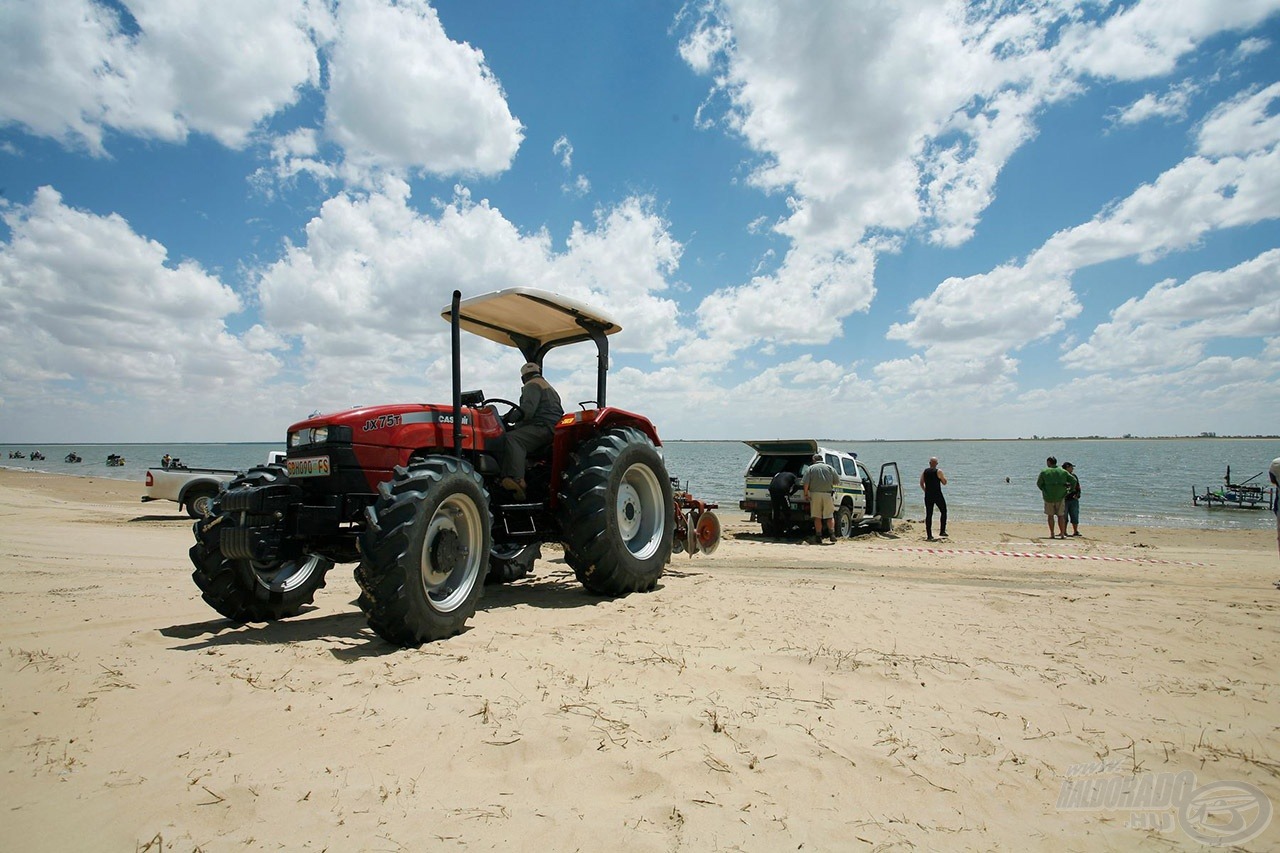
(1133, 481)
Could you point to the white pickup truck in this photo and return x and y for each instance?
(860, 501)
(191, 488)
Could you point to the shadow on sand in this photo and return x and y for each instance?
(556, 588)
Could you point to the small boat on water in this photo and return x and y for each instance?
(73, 457)
(36, 455)
(17, 454)
(115, 460)
(1246, 495)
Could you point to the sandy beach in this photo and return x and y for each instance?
(883, 693)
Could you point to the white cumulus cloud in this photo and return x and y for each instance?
(403, 95)
(75, 69)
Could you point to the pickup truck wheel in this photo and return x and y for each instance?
(199, 502)
(425, 552)
(844, 522)
(247, 591)
(509, 563)
(616, 513)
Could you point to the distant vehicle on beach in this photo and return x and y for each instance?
(860, 501)
(193, 489)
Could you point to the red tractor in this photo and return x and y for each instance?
(409, 491)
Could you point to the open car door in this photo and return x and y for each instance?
(889, 492)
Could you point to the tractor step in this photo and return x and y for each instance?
(519, 519)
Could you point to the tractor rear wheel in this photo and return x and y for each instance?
(617, 513)
(246, 590)
(425, 552)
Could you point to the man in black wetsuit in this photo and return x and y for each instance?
(781, 487)
(931, 481)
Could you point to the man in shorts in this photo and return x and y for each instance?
(1054, 483)
(819, 483)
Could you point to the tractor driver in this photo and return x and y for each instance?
(540, 408)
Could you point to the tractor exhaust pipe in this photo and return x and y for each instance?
(456, 354)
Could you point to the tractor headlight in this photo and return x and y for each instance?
(313, 435)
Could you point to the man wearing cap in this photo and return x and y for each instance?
(819, 482)
(1072, 501)
(533, 427)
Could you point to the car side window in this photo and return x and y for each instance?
(850, 468)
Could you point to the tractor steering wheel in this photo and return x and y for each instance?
(512, 408)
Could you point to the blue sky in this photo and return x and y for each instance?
(857, 220)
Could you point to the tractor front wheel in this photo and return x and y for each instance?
(509, 563)
(425, 552)
(249, 590)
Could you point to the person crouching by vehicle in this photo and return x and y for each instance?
(819, 482)
(783, 485)
(532, 428)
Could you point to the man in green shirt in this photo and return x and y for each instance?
(1054, 483)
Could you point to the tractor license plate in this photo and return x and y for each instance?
(315, 466)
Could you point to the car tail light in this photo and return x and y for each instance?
(151, 481)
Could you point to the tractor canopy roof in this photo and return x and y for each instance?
(531, 319)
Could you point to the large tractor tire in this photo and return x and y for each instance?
(617, 513)
(508, 563)
(245, 590)
(425, 552)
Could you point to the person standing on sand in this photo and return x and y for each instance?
(1275, 497)
(931, 482)
(819, 482)
(1053, 483)
(1072, 500)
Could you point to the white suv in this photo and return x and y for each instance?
(860, 501)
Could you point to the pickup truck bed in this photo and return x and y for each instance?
(190, 488)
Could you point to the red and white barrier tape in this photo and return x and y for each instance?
(1040, 554)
